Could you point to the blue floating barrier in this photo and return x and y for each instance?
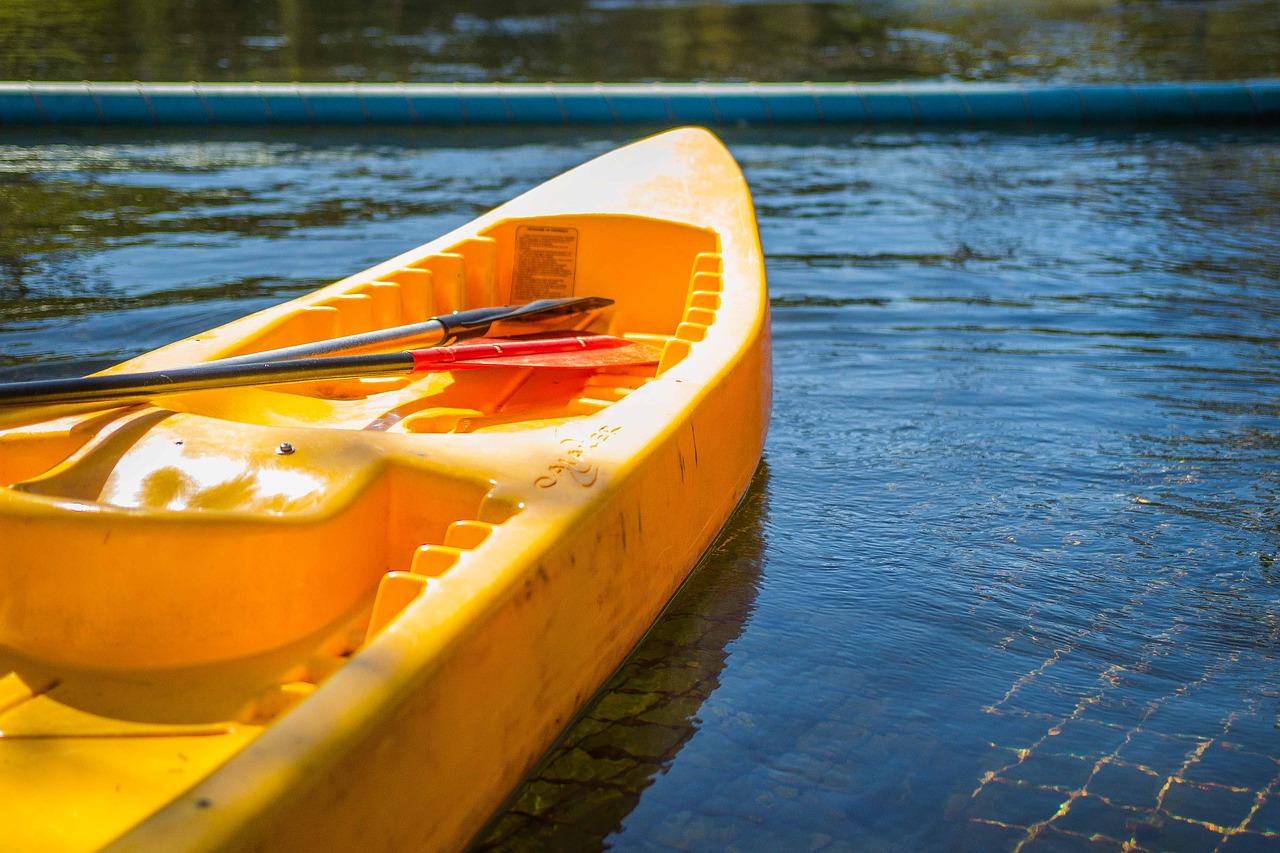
(841, 107)
(72, 107)
(996, 104)
(639, 105)
(286, 108)
(921, 104)
(238, 108)
(1109, 104)
(533, 106)
(440, 106)
(735, 106)
(1266, 95)
(177, 105)
(587, 106)
(1221, 100)
(939, 106)
(691, 105)
(123, 107)
(1161, 103)
(889, 106)
(480, 107)
(787, 106)
(386, 106)
(334, 104)
(20, 109)
(1054, 106)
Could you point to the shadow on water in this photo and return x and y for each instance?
(582, 791)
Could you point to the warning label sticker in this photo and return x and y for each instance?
(546, 263)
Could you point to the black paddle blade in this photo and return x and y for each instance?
(468, 324)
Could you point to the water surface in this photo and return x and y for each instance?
(628, 40)
(1007, 580)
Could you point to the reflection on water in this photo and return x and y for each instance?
(612, 40)
(637, 725)
(1016, 585)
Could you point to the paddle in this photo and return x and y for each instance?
(447, 328)
(577, 351)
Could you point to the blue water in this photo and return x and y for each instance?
(1006, 579)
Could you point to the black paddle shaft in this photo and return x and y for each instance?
(132, 386)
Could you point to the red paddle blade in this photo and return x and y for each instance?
(570, 352)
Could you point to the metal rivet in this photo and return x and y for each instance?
(284, 449)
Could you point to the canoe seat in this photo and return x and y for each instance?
(227, 540)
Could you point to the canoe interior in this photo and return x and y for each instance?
(287, 536)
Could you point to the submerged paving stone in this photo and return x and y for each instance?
(801, 766)
(820, 841)
(1226, 764)
(1267, 817)
(982, 837)
(1089, 815)
(541, 796)
(511, 823)
(585, 727)
(639, 741)
(1182, 715)
(597, 814)
(637, 778)
(577, 765)
(1051, 840)
(1210, 804)
(1037, 698)
(1016, 731)
(1017, 805)
(1159, 753)
(677, 711)
(667, 680)
(1084, 738)
(1063, 772)
(1127, 785)
(561, 835)
(711, 749)
(1252, 727)
(1185, 835)
(619, 705)
(687, 831)
(1123, 712)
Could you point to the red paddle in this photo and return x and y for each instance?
(578, 351)
(582, 351)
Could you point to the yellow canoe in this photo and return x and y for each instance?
(354, 613)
